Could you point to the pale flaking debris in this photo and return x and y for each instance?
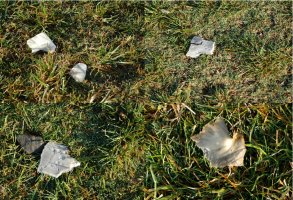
(78, 72)
(41, 42)
(218, 147)
(55, 160)
(200, 46)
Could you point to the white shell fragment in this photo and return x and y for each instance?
(55, 160)
(78, 72)
(41, 42)
(200, 46)
(218, 147)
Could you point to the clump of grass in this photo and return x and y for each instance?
(133, 141)
(106, 36)
(251, 62)
(111, 154)
(176, 168)
(127, 43)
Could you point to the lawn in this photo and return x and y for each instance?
(130, 122)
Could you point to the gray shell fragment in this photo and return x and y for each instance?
(55, 160)
(200, 46)
(78, 72)
(30, 143)
(218, 147)
(196, 40)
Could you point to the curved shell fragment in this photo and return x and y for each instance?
(200, 46)
(218, 147)
(30, 143)
(41, 42)
(78, 72)
(55, 160)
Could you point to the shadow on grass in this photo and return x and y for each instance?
(115, 74)
(102, 137)
(212, 89)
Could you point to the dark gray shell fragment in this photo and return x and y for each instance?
(31, 143)
(196, 40)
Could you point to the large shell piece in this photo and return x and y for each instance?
(41, 42)
(55, 160)
(78, 72)
(218, 147)
(200, 46)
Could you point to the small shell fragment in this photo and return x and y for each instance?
(218, 147)
(55, 160)
(78, 72)
(30, 143)
(41, 42)
(196, 40)
(200, 46)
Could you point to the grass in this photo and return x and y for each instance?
(181, 171)
(133, 141)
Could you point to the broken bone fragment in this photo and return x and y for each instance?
(31, 143)
(78, 72)
(200, 46)
(218, 147)
(41, 42)
(55, 160)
